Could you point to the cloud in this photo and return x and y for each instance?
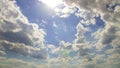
(109, 13)
(105, 37)
(20, 36)
(117, 9)
(18, 63)
(64, 11)
(2, 53)
(54, 25)
(88, 16)
(72, 51)
(18, 25)
(17, 34)
(61, 62)
(25, 50)
(81, 30)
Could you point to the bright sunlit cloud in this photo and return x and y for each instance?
(52, 3)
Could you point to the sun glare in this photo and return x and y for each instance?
(52, 3)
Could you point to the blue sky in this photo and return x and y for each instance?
(59, 33)
(39, 13)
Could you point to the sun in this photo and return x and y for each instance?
(51, 3)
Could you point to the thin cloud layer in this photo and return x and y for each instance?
(18, 63)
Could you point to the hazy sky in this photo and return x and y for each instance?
(59, 34)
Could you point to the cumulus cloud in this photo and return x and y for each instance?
(17, 26)
(98, 62)
(72, 51)
(81, 30)
(22, 49)
(17, 34)
(105, 37)
(109, 13)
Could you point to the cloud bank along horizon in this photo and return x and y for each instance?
(75, 33)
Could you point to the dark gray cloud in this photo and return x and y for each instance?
(82, 52)
(109, 35)
(22, 49)
(20, 37)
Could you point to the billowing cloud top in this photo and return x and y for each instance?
(17, 34)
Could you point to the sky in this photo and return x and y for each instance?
(59, 34)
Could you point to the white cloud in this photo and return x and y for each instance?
(65, 11)
(20, 36)
(81, 30)
(88, 16)
(44, 22)
(2, 53)
(117, 9)
(55, 25)
(109, 13)
(19, 24)
(17, 34)
(106, 36)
